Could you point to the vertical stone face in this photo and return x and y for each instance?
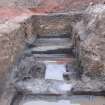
(91, 33)
(11, 41)
(13, 35)
(28, 26)
(52, 25)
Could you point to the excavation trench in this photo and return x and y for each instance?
(48, 70)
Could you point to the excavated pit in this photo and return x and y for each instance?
(47, 75)
(48, 71)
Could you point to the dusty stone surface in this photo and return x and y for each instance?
(90, 32)
(45, 87)
(90, 87)
(46, 103)
(12, 41)
(9, 45)
(73, 100)
(52, 24)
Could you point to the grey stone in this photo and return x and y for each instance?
(41, 86)
(89, 41)
(90, 87)
(62, 102)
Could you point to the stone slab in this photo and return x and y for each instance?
(41, 86)
(63, 102)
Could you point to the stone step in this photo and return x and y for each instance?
(60, 100)
(60, 58)
(50, 41)
(41, 102)
(58, 51)
(55, 35)
(50, 49)
(90, 87)
(41, 86)
(52, 55)
(56, 60)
